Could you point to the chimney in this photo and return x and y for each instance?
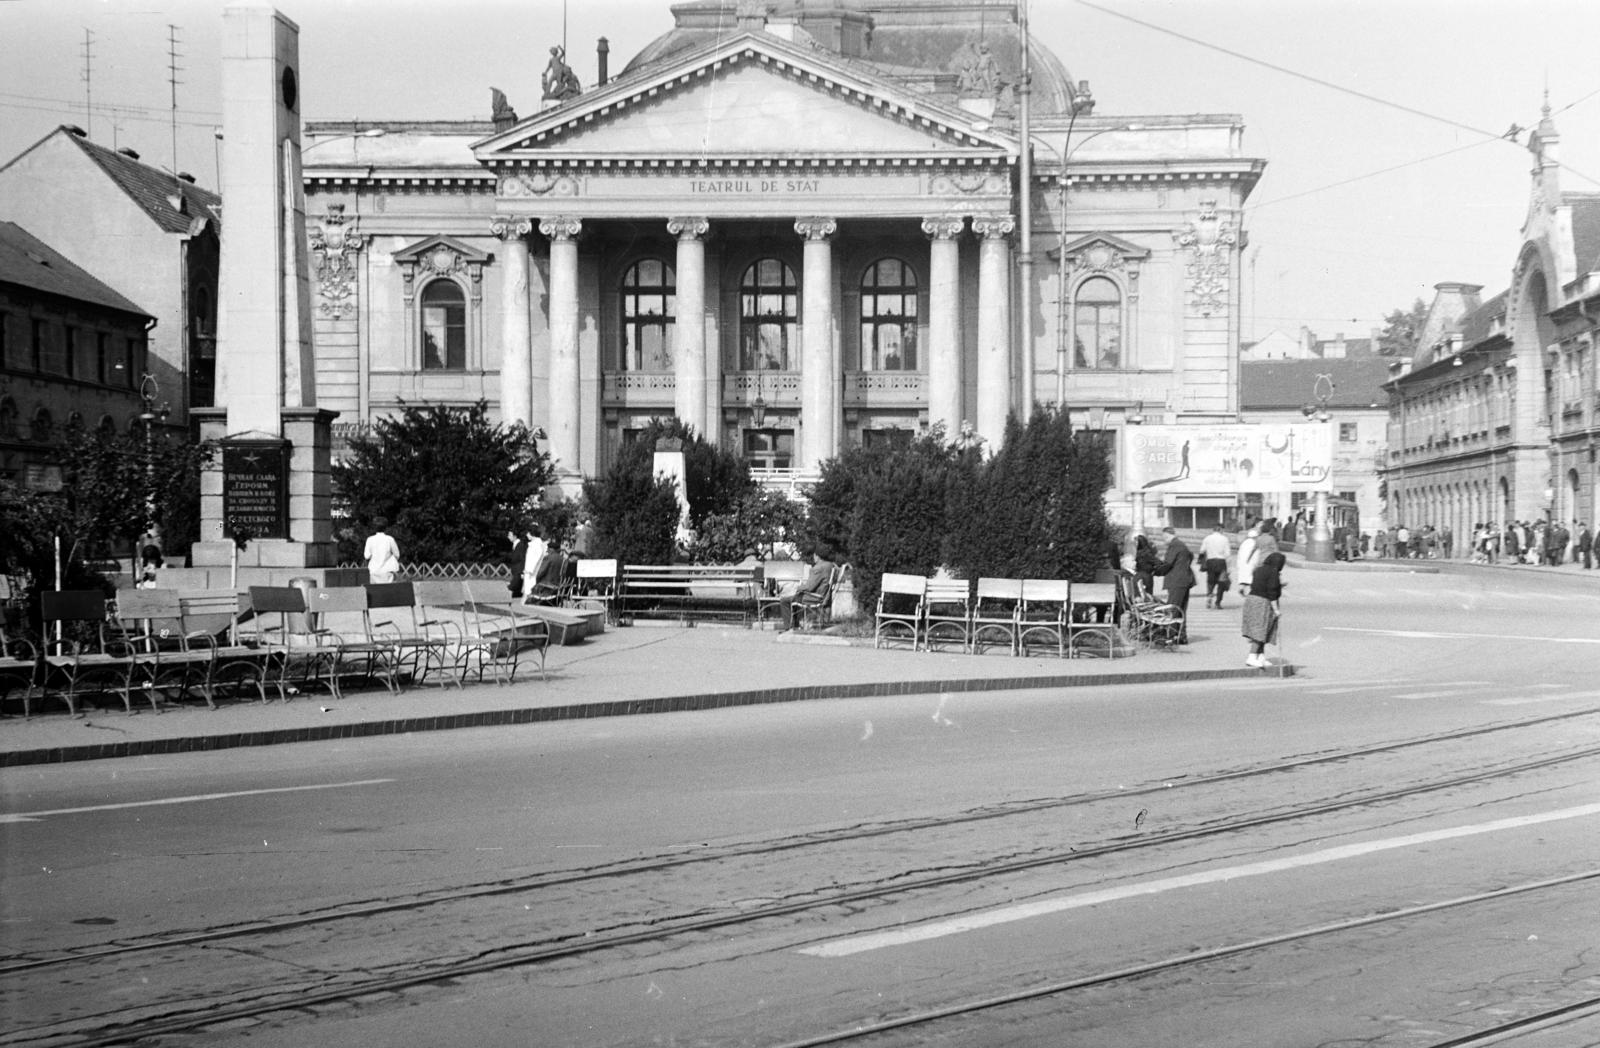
(128, 152)
(602, 57)
(1336, 351)
(1308, 343)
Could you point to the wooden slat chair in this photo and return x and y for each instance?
(19, 660)
(212, 617)
(995, 613)
(1149, 621)
(504, 637)
(1092, 620)
(100, 654)
(166, 658)
(947, 614)
(595, 586)
(899, 614)
(297, 659)
(343, 614)
(779, 578)
(395, 617)
(1042, 617)
(443, 604)
(815, 609)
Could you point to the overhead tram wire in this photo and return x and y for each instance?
(1369, 174)
(1488, 135)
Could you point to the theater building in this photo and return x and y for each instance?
(797, 227)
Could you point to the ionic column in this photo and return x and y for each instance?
(561, 429)
(516, 341)
(689, 325)
(819, 374)
(944, 322)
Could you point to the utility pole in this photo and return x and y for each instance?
(1025, 224)
(172, 78)
(87, 76)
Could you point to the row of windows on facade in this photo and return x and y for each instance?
(42, 428)
(66, 351)
(769, 318)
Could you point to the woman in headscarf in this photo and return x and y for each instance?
(1261, 608)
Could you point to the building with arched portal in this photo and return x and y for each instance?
(796, 227)
(1497, 418)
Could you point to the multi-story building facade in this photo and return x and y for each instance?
(72, 350)
(795, 228)
(1497, 418)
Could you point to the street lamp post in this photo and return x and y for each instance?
(1319, 545)
(149, 391)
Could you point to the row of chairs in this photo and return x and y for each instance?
(1024, 616)
(165, 644)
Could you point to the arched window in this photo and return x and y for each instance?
(769, 314)
(889, 317)
(444, 327)
(8, 417)
(108, 427)
(1097, 324)
(44, 426)
(649, 306)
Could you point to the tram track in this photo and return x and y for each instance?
(326, 987)
(868, 1032)
(657, 864)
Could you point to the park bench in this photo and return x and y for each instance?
(688, 591)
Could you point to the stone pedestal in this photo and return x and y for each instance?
(307, 540)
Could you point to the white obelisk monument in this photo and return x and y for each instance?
(271, 483)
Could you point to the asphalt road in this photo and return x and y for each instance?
(753, 805)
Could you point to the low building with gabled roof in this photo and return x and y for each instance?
(151, 234)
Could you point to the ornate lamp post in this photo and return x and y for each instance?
(1319, 545)
(149, 391)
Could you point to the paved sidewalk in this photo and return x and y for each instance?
(638, 670)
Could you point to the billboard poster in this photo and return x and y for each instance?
(1228, 459)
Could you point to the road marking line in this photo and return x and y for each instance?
(34, 816)
(1004, 915)
(1436, 635)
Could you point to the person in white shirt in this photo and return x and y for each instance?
(1214, 553)
(1244, 563)
(382, 553)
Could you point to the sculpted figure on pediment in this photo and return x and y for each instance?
(977, 73)
(560, 82)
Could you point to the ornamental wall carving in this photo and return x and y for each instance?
(1103, 254)
(441, 257)
(1207, 245)
(538, 184)
(335, 245)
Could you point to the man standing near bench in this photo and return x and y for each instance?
(815, 586)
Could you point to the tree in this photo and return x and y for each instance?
(451, 482)
(1402, 329)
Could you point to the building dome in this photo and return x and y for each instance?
(920, 44)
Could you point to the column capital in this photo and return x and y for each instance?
(511, 227)
(561, 227)
(944, 227)
(816, 227)
(688, 227)
(992, 227)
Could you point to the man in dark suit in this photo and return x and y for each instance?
(1176, 569)
(1581, 553)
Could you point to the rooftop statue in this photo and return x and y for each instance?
(978, 74)
(560, 82)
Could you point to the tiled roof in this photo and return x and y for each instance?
(1475, 326)
(29, 262)
(1279, 384)
(152, 189)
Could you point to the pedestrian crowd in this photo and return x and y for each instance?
(1549, 544)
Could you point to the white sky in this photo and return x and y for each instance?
(1333, 256)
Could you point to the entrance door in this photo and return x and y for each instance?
(769, 448)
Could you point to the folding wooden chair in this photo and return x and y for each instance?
(899, 614)
(1042, 619)
(995, 614)
(96, 658)
(1092, 620)
(946, 613)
